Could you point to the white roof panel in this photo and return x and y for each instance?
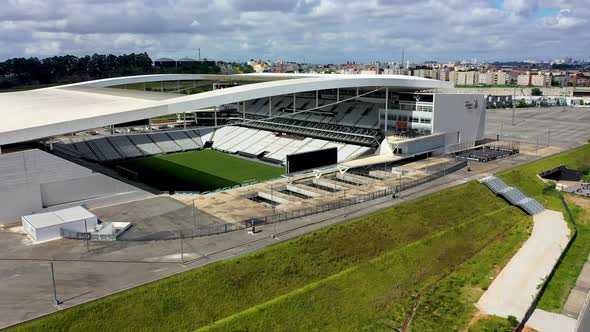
(37, 114)
(41, 220)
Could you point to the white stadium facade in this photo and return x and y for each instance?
(369, 119)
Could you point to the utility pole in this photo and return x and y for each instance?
(513, 107)
(194, 218)
(181, 249)
(274, 222)
(57, 302)
(86, 235)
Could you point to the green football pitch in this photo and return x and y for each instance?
(199, 171)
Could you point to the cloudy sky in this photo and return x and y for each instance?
(317, 31)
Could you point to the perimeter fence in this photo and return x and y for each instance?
(248, 223)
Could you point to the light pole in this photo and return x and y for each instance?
(57, 302)
(274, 223)
(194, 218)
(181, 249)
(513, 107)
(86, 235)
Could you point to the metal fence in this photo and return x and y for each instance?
(284, 216)
(69, 234)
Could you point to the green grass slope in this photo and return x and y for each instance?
(378, 294)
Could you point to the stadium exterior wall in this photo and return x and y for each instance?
(33, 179)
(460, 116)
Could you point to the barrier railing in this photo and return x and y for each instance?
(284, 216)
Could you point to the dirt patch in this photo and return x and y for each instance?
(477, 316)
(582, 202)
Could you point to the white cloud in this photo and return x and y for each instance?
(319, 30)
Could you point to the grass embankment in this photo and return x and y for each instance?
(494, 324)
(526, 179)
(200, 170)
(443, 225)
(378, 294)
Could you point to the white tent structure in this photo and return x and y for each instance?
(47, 226)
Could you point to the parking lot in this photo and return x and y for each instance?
(555, 126)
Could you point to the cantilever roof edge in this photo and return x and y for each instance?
(37, 114)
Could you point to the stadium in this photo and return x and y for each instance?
(115, 140)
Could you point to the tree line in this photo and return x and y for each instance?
(65, 69)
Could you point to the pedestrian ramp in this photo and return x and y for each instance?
(513, 195)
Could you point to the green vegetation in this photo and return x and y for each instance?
(23, 72)
(494, 324)
(526, 179)
(378, 294)
(240, 68)
(200, 170)
(536, 92)
(449, 305)
(190, 87)
(367, 268)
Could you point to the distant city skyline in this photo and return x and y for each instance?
(312, 31)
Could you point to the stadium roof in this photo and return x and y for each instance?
(37, 114)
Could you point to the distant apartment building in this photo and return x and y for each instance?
(529, 79)
(427, 73)
(370, 71)
(523, 79)
(464, 77)
(501, 78)
(395, 71)
(540, 80)
(486, 78)
(493, 78)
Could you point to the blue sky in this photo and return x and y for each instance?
(321, 31)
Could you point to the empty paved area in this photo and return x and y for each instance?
(514, 289)
(557, 126)
(159, 217)
(544, 321)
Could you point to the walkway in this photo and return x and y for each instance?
(514, 289)
(545, 321)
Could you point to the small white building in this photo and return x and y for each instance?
(47, 226)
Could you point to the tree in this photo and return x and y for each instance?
(536, 92)
(521, 103)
